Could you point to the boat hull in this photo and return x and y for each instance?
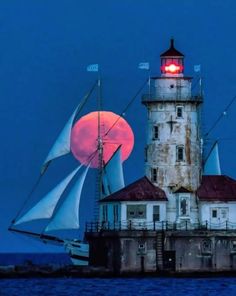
(78, 252)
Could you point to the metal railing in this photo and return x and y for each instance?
(154, 98)
(157, 225)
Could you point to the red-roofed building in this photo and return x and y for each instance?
(140, 203)
(217, 200)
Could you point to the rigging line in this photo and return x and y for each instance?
(26, 239)
(220, 116)
(196, 83)
(127, 106)
(27, 199)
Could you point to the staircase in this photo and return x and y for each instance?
(159, 249)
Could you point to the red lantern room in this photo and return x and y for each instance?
(172, 61)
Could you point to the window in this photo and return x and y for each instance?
(180, 153)
(155, 132)
(156, 213)
(179, 111)
(214, 213)
(136, 211)
(104, 213)
(183, 206)
(224, 213)
(154, 174)
(115, 213)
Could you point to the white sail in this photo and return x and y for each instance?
(113, 178)
(62, 144)
(67, 216)
(45, 207)
(212, 164)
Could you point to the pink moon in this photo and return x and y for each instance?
(114, 130)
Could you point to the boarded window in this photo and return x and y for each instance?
(156, 213)
(136, 211)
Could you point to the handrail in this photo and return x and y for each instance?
(132, 225)
(153, 98)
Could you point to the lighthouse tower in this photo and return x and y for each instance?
(173, 153)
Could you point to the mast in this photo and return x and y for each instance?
(100, 142)
(99, 149)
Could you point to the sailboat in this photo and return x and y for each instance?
(60, 206)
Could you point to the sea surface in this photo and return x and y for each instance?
(119, 286)
(220, 286)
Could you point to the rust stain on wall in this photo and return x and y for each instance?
(188, 141)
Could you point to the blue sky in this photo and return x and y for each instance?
(44, 50)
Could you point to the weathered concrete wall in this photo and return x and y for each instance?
(124, 251)
(167, 88)
(203, 251)
(161, 152)
(139, 251)
(169, 94)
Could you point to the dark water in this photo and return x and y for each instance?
(127, 287)
(34, 258)
(115, 286)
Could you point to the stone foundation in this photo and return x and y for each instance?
(157, 251)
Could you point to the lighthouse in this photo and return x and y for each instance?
(181, 214)
(173, 153)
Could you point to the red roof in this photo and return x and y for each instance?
(217, 188)
(140, 190)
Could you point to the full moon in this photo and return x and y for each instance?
(114, 131)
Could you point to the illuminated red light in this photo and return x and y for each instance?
(172, 68)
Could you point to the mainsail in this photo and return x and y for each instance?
(212, 164)
(67, 216)
(113, 178)
(45, 207)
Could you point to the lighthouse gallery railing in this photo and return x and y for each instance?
(156, 225)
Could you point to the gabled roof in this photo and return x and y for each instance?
(140, 190)
(172, 52)
(183, 190)
(217, 188)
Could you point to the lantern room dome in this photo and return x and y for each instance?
(172, 52)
